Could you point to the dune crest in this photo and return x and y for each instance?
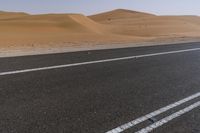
(88, 23)
(117, 14)
(147, 25)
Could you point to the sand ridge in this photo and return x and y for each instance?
(117, 26)
(148, 25)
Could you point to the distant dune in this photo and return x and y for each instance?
(121, 26)
(23, 30)
(119, 14)
(127, 22)
(10, 15)
(69, 23)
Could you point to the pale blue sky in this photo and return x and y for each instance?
(87, 7)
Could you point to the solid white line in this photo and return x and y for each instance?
(169, 118)
(152, 114)
(94, 62)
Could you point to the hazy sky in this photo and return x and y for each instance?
(161, 7)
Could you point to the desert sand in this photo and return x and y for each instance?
(55, 32)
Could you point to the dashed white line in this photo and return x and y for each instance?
(94, 62)
(152, 114)
(169, 118)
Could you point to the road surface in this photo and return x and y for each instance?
(144, 89)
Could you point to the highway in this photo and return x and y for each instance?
(126, 90)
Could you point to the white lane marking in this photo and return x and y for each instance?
(169, 118)
(94, 62)
(151, 115)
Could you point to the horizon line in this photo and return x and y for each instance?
(99, 12)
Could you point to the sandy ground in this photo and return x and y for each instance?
(62, 48)
(24, 34)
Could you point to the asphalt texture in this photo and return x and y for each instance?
(96, 98)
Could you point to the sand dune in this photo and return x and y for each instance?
(10, 15)
(119, 14)
(72, 23)
(21, 29)
(127, 22)
(54, 28)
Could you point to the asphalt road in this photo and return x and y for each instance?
(99, 97)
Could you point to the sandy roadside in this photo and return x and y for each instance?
(63, 48)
